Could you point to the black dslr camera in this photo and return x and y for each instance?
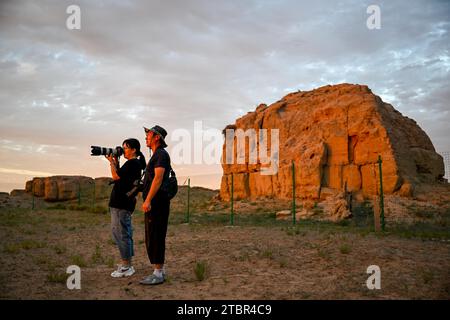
(101, 151)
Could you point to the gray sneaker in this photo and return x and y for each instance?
(152, 280)
(163, 272)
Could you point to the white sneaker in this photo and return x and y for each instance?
(123, 272)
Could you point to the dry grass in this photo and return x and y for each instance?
(208, 259)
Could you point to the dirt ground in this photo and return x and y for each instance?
(252, 260)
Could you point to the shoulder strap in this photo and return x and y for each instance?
(171, 172)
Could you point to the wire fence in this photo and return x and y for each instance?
(93, 195)
(195, 205)
(83, 194)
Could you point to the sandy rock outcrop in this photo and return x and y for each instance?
(62, 188)
(334, 136)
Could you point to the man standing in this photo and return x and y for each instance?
(156, 205)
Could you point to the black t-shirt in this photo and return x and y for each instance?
(160, 158)
(128, 173)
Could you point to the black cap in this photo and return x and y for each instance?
(161, 132)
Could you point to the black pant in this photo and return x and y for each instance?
(156, 222)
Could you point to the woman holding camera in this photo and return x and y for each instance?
(121, 205)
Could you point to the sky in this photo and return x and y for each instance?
(171, 63)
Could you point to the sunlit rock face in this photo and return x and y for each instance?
(334, 136)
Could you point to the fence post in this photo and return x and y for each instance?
(381, 194)
(188, 199)
(93, 198)
(232, 199)
(293, 193)
(32, 192)
(79, 192)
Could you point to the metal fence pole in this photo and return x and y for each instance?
(188, 199)
(32, 201)
(93, 198)
(293, 193)
(232, 199)
(79, 192)
(381, 194)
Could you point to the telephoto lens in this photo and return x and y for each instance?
(118, 151)
(102, 151)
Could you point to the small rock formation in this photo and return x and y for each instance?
(337, 207)
(63, 188)
(103, 187)
(334, 135)
(17, 198)
(4, 197)
(17, 193)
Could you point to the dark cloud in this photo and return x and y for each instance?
(146, 62)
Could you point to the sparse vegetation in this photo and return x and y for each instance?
(324, 253)
(78, 260)
(46, 241)
(297, 230)
(60, 249)
(11, 248)
(47, 263)
(77, 207)
(25, 245)
(427, 276)
(58, 206)
(57, 277)
(99, 209)
(110, 262)
(97, 257)
(201, 270)
(345, 249)
(267, 254)
(283, 263)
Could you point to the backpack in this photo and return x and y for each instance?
(171, 186)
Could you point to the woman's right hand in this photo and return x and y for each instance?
(114, 164)
(112, 160)
(146, 206)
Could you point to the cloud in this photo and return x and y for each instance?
(137, 63)
(26, 172)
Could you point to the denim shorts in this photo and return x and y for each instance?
(122, 232)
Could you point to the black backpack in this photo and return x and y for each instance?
(171, 186)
